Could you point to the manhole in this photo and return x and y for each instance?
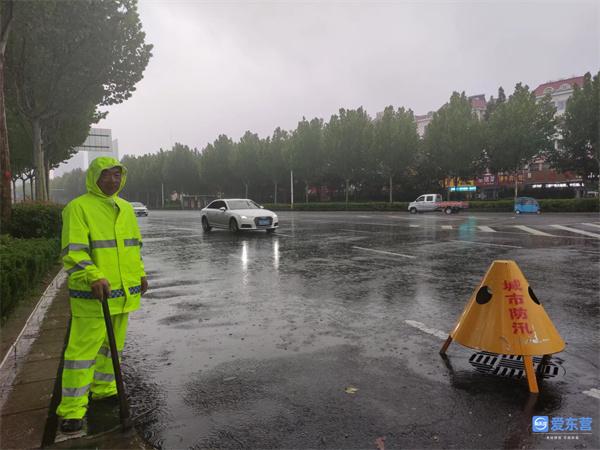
(511, 366)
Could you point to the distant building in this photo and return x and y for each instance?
(422, 122)
(478, 106)
(98, 143)
(559, 91)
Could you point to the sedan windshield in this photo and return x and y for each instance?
(137, 204)
(242, 204)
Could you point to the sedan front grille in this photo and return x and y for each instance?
(263, 221)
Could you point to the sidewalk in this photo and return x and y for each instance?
(30, 391)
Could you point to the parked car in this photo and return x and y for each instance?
(139, 209)
(433, 202)
(238, 214)
(526, 205)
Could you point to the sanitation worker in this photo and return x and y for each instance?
(101, 245)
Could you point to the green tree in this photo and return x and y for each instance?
(216, 163)
(518, 130)
(578, 149)
(347, 139)
(453, 140)
(306, 151)
(395, 143)
(65, 58)
(272, 158)
(180, 170)
(245, 160)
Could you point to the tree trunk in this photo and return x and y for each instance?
(275, 197)
(347, 188)
(306, 191)
(5, 183)
(47, 174)
(391, 187)
(14, 190)
(24, 192)
(31, 180)
(38, 161)
(516, 181)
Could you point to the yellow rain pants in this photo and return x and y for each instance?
(88, 364)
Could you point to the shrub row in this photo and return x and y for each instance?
(24, 263)
(549, 205)
(340, 206)
(35, 220)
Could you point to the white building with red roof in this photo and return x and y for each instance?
(559, 91)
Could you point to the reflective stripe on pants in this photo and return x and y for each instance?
(88, 365)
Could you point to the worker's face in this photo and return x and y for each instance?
(110, 180)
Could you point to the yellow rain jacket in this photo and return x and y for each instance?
(101, 239)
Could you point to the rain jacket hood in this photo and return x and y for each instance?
(95, 170)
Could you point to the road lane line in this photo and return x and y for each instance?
(414, 226)
(532, 230)
(485, 243)
(589, 224)
(356, 231)
(575, 230)
(365, 217)
(425, 329)
(383, 252)
(446, 227)
(593, 393)
(486, 229)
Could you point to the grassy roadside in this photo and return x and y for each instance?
(13, 323)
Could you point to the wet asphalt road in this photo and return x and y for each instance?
(251, 340)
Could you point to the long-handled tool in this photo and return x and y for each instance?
(123, 406)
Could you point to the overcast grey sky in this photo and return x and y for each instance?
(227, 67)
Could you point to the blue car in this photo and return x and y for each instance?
(526, 205)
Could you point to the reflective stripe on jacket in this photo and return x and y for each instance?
(101, 239)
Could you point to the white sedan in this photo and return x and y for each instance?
(238, 214)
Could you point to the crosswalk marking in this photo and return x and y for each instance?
(591, 224)
(532, 230)
(383, 252)
(485, 243)
(486, 229)
(575, 230)
(593, 393)
(446, 227)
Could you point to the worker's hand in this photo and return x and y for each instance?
(101, 289)
(144, 283)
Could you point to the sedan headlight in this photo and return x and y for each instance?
(243, 217)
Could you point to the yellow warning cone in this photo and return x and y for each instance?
(504, 316)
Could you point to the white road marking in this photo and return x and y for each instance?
(365, 217)
(591, 224)
(414, 226)
(485, 243)
(277, 233)
(424, 328)
(356, 231)
(593, 393)
(532, 230)
(486, 229)
(446, 227)
(575, 230)
(383, 252)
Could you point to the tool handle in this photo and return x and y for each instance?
(114, 354)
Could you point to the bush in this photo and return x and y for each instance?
(340, 206)
(24, 263)
(570, 205)
(548, 205)
(35, 220)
